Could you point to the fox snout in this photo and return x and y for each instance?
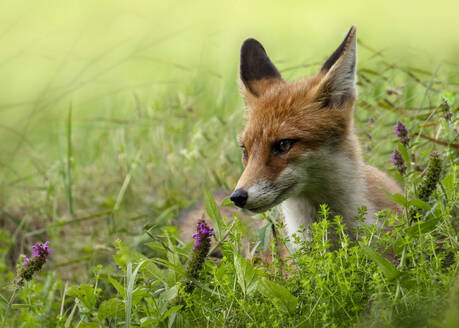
(239, 197)
(263, 194)
(255, 198)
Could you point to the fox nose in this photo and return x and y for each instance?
(239, 197)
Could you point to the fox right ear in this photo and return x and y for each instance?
(257, 72)
(338, 82)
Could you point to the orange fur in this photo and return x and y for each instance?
(316, 113)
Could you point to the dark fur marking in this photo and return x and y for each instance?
(255, 63)
(338, 52)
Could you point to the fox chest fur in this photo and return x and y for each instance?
(299, 147)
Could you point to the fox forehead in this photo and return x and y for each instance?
(293, 111)
(285, 99)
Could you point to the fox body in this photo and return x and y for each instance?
(299, 146)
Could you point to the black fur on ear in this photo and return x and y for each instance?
(255, 66)
(340, 50)
(338, 82)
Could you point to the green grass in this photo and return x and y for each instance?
(114, 120)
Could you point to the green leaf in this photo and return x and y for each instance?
(112, 308)
(70, 317)
(419, 204)
(149, 321)
(213, 212)
(169, 294)
(386, 267)
(264, 234)
(227, 202)
(423, 227)
(119, 288)
(398, 198)
(207, 289)
(87, 296)
(138, 295)
(151, 271)
(171, 311)
(404, 152)
(247, 275)
(278, 294)
(418, 229)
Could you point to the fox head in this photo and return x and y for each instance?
(292, 128)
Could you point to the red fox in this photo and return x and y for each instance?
(299, 148)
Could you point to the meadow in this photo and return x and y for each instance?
(116, 117)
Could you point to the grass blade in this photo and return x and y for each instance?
(130, 278)
(386, 267)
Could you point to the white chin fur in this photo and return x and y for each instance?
(265, 195)
(323, 176)
(261, 196)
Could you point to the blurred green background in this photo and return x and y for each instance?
(155, 107)
(91, 52)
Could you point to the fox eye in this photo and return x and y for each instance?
(283, 146)
(244, 152)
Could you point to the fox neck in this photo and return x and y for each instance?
(332, 177)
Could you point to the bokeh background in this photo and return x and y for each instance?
(94, 53)
(119, 114)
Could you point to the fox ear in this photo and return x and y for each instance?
(338, 83)
(257, 72)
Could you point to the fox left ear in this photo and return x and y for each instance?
(257, 72)
(338, 83)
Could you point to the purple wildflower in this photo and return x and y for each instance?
(202, 239)
(401, 132)
(34, 264)
(26, 260)
(203, 231)
(398, 162)
(39, 249)
(197, 239)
